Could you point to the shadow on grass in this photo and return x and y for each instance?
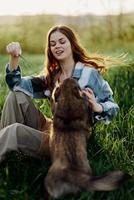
(22, 177)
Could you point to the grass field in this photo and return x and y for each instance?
(110, 147)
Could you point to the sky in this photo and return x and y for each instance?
(65, 7)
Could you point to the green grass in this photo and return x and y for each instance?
(110, 147)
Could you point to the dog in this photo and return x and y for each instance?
(70, 171)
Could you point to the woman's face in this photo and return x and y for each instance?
(60, 46)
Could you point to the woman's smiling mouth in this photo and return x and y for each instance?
(59, 52)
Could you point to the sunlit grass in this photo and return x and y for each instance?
(110, 146)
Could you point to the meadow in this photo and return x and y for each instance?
(111, 146)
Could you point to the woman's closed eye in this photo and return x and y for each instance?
(52, 43)
(61, 41)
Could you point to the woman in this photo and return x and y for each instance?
(23, 126)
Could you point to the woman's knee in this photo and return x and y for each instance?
(14, 127)
(17, 96)
(10, 97)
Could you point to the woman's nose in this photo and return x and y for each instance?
(57, 45)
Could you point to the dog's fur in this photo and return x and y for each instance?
(70, 171)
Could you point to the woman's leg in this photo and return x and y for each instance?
(19, 108)
(18, 137)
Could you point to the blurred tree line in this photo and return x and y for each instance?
(95, 31)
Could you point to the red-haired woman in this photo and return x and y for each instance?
(23, 126)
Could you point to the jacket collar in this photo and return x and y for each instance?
(78, 69)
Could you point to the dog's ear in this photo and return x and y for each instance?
(54, 98)
(77, 91)
(56, 94)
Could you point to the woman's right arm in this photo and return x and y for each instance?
(13, 73)
(32, 86)
(14, 49)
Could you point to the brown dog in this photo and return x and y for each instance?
(70, 171)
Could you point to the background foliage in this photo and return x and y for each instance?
(111, 146)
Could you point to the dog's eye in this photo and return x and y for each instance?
(77, 88)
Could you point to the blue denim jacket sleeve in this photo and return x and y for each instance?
(104, 96)
(29, 85)
(90, 77)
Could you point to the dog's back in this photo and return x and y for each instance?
(70, 170)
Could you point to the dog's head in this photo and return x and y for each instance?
(69, 104)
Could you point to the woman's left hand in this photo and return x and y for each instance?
(90, 95)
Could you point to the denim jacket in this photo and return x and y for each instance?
(86, 77)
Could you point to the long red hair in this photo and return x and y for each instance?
(52, 66)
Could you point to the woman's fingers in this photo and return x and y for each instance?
(14, 49)
(88, 94)
(89, 90)
(96, 107)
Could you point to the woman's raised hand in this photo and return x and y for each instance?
(14, 49)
